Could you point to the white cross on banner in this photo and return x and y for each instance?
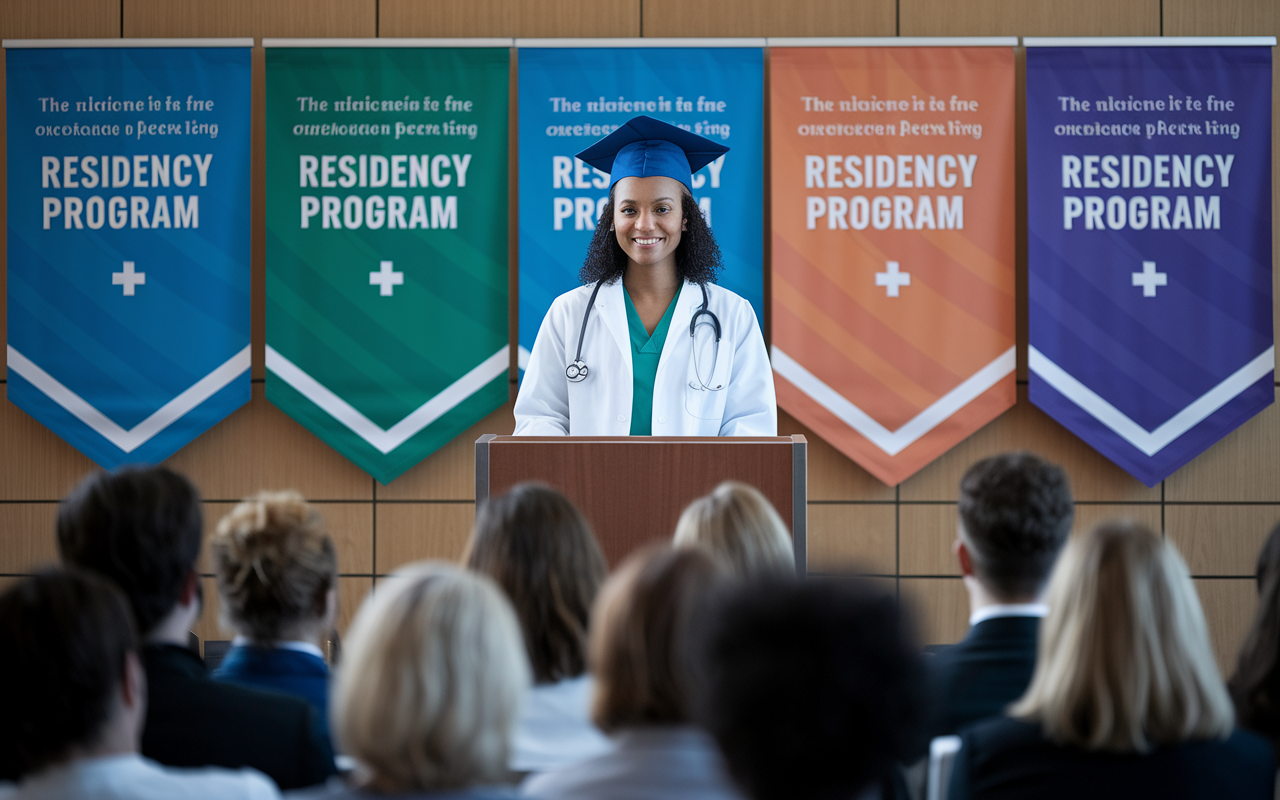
(385, 279)
(1149, 279)
(128, 279)
(892, 279)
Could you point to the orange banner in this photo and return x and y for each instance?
(893, 246)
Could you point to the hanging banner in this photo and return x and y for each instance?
(1149, 217)
(128, 249)
(572, 96)
(892, 177)
(387, 331)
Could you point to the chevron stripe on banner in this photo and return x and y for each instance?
(128, 250)
(1149, 214)
(893, 245)
(387, 331)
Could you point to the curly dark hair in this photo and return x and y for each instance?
(1017, 511)
(811, 689)
(697, 256)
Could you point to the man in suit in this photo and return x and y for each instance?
(142, 527)
(1015, 514)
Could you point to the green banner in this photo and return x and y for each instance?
(387, 330)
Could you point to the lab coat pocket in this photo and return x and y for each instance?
(707, 383)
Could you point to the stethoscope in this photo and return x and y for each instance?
(578, 370)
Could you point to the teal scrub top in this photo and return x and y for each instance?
(645, 352)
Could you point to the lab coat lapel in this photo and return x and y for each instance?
(613, 310)
(678, 333)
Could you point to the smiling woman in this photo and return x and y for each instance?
(616, 372)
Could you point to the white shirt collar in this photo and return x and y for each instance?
(1010, 610)
(301, 647)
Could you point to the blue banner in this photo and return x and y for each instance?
(570, 97)
(128, 250)
(1149, 214)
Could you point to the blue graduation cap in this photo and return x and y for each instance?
(644, 147)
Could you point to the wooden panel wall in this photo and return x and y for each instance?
(1217, 509)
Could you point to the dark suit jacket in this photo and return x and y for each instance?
(194, 721)
(989, 669)
(278, 669)
(1007, 758)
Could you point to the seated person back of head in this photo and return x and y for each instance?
(1126, 700)
(1015, 514)
(141, 528)
(430, 682)
(1255, 687)
(74, 693)
(741, 529)
(811, 690)
(542, 553)
(278, 582)
(640, 653)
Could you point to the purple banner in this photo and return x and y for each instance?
(1149, 221)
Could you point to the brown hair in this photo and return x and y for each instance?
(1124, 662)
(640, 640)
(66, 635)
(1255, 688)
(275, 565)
(540, 550)
(740, 528)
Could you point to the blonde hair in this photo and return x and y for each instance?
(431, 680)
(275, 564)
(740, 528)
(639, 645)
(1124, 662)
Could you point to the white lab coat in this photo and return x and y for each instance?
(550, 405)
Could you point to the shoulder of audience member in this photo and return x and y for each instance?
(568, 780)
(999, 733)
(336, 789)
(1254, 749)
(249, 700)
(246, 783)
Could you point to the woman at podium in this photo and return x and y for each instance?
(649, 344)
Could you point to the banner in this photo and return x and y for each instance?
(1149, 214)
(893, 245)
(387, 332)
(128, 249)
(571, 97)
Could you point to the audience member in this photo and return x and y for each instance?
(812, 690)
(429, 687)
(74, 696)
(1126, 700)
(1015, 514)
(141, 527)
(540, 550)
(278, 580)
(640, 653)
(1255, 688)
(740, 528)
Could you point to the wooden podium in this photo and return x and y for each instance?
(633, 488)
